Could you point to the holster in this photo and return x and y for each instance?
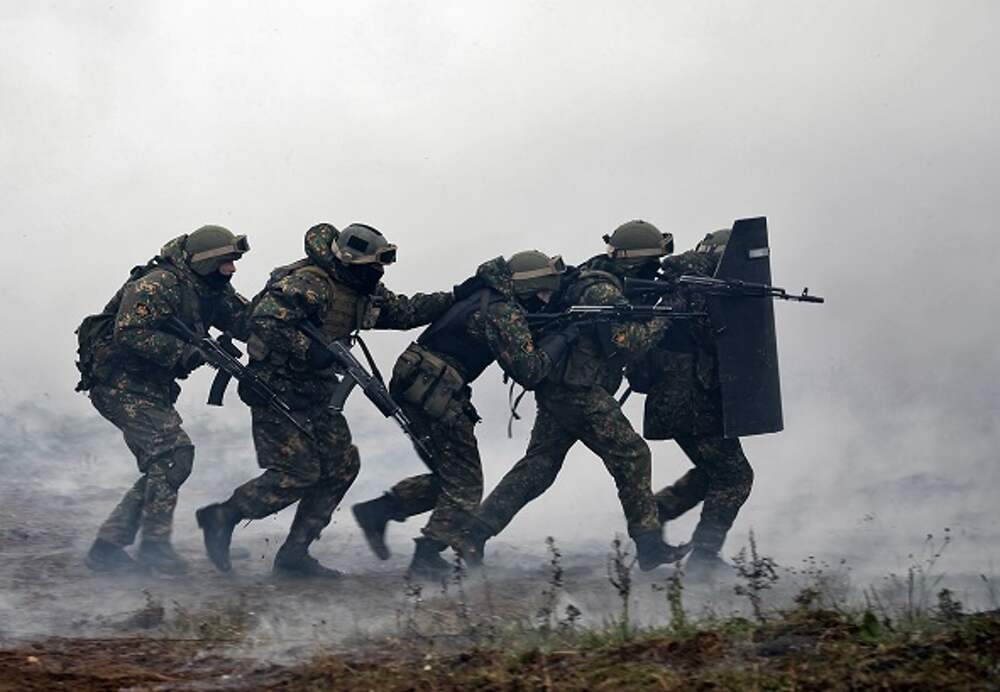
(423, 379)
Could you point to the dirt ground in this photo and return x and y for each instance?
(64, 627)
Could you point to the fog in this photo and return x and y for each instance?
(865, 132)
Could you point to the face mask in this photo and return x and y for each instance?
(218, 280)
(647, 270)
(367, 275)
(532, 303)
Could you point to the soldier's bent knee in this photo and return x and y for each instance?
(352, 465)
(745, 473)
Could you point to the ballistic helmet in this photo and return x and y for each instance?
(210, 247)
(638, 240)
(714, 242)
(535, 271)
(362, 244)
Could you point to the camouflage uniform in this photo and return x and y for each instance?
(684, 403)
(576, 402)
(486, 325)
(133, 383)
(313, 472)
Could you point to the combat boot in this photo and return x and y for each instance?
(160, 556)
(105, 556)
(471, 543)
(294, 561)
(218, 522)
(373, 516)
(652, 551)
(427, 562)
(705, 565)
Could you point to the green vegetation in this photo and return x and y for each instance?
(908, 632)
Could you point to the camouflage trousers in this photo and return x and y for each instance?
(565, 415)
(152, 430)
(313, 472)
(454, 486)
(721, 478)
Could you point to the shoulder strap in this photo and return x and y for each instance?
(461, 310)
(513, 402)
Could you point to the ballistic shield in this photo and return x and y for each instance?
(745, 336)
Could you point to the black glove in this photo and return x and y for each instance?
(556, 345)
(319, 356)
(190, 359)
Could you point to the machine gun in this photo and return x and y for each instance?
(373, 387)
(594, 314)
(223, 356)
(717, 287)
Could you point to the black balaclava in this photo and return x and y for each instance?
(367, 276)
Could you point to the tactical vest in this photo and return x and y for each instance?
(593, 359)
(448, 335)
(348, 310)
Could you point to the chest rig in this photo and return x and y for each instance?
(348, 310)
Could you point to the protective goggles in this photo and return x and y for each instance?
(240, 246)
(665, 248)
(555, 267)
(352, 255)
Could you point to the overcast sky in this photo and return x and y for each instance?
(866, 133)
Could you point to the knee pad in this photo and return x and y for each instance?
(179, 466)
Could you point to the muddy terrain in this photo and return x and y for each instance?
(567, 614)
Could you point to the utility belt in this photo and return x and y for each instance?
(427, 381)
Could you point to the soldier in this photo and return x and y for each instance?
(576, 402)
(130, 361)
(338, 288)
(684, 403)
(431, 381)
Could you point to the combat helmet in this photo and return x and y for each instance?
(534, 271)
(638, 240)
(363, 244)
(209, 247)
(715, 242)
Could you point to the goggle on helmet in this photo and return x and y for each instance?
(238, 247)
(533, 271)
(362, 244)
(638, 240)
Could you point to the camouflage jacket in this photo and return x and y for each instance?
(490, 325)
(320, 289)
(681, 375)
(143, 356)
(601, 352)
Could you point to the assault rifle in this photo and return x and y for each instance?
(372, 386)
(717, 287)
(223, 356)
(593, 314)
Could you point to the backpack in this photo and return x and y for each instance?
(95, 335)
